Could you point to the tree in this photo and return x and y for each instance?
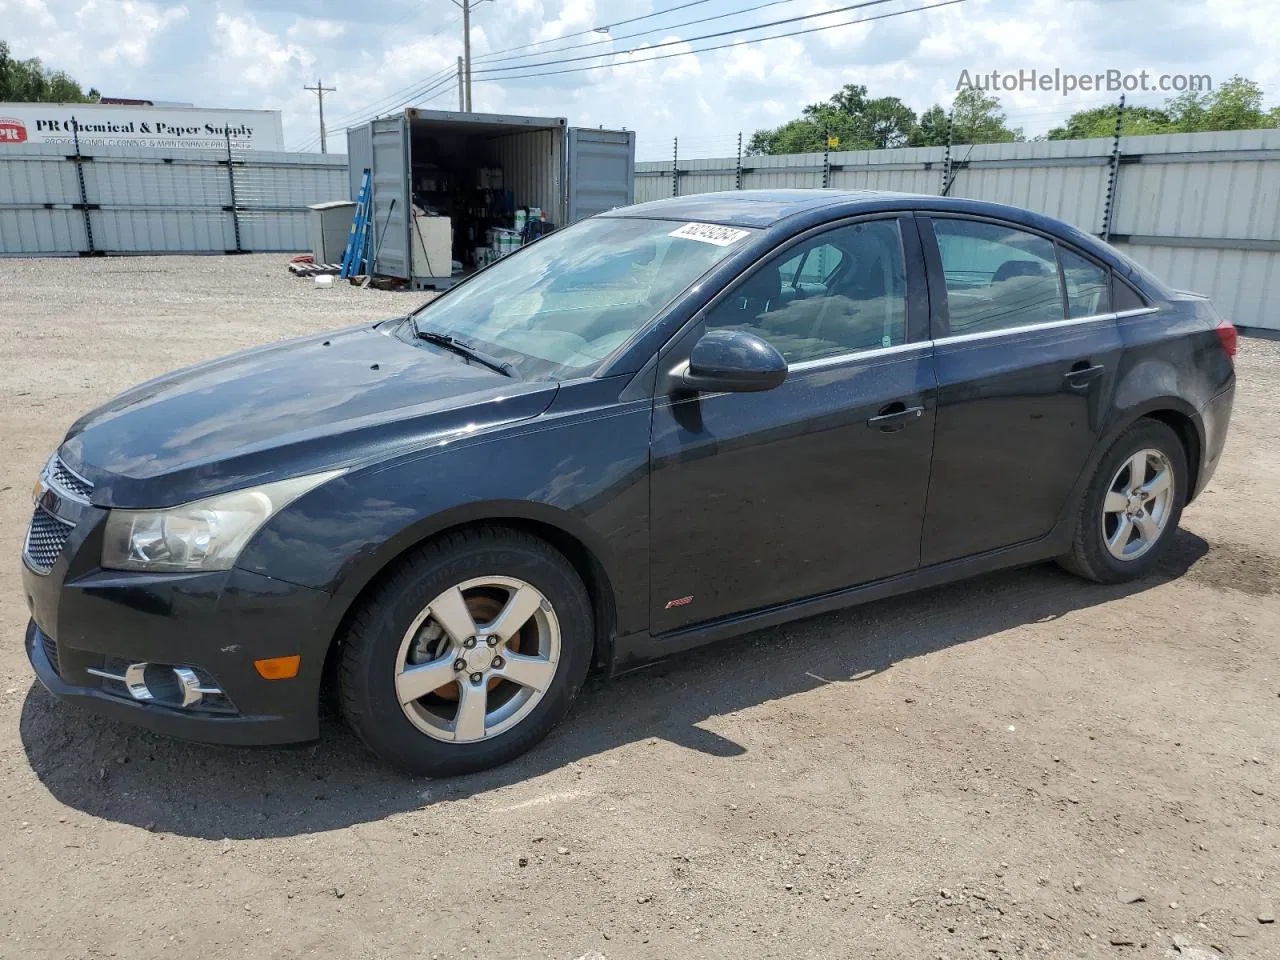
(1101, 122)
(30, 81)
(1236, 105)
(931, 131)
(857, 122)
(977, 119)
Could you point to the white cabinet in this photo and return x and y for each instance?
(431, 240)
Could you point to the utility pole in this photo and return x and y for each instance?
(462, 103)
(320, 90)
(465, 6)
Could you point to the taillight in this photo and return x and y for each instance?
(1230, 338)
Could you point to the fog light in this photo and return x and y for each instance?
(159, 683)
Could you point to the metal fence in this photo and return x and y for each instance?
(111, 200)
(1200, 210)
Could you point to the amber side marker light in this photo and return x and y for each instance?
(278, 668)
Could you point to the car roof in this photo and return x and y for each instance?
(750, 208)
(790, 209)
(764, 208)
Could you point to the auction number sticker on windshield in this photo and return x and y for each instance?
(710, 233)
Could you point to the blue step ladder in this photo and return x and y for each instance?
(355, 255)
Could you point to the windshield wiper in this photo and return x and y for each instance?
(466, 350)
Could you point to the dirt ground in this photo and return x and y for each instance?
(1021, 765)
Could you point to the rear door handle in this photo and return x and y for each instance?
(1083, 373)
(894, 417)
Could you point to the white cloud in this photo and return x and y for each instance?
(255, 55)
(259, 53)
(123, 31)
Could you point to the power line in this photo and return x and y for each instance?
(641, 33)
(721, 46)
(404, 94)
(603, 28)
(448, 89)
(705, 36)
(364, 113)
(465, 6)
(385, 106)
(386, 100)
(320, 90)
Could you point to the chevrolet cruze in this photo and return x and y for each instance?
(661, 426)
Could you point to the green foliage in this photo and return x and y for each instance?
(1236, 105)
(29, 81)
(1101, 122)
(863, 123)
(978, 119)
(858, 122)
(931, 131)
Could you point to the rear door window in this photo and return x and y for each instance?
(997, 277)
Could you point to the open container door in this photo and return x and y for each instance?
(602, 171)
(389, 222)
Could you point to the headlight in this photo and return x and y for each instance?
(204, 535)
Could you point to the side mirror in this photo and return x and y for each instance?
(733, 361)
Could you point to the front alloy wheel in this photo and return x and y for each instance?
(478, 659)
(467, 654)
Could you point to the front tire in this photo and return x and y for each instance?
(1131, 507)
(469, 653)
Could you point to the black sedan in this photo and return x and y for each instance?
(661, 426)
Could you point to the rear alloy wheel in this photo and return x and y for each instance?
(468, 654)
(1136, 508)
(1131, 506)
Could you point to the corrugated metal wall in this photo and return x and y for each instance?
(1200, 210)
(359, 156)
(146, 201)
(532, 165)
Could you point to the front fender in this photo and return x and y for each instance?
(583, 473)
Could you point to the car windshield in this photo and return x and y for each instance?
(556, 309)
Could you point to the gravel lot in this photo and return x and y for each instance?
(1021, 765)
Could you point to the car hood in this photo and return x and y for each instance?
(344, 398)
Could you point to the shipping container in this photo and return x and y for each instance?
(477, 185)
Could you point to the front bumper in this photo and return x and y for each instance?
(237, 730)
(218, 623)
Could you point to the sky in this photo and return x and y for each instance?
(259, 54)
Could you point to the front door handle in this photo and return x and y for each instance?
(1083, 373)
(894, 417)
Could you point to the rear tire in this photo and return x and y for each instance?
(1126, 521)
(428, 668)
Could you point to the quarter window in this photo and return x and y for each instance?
(1125, 297)
(997, 277)
(1088, 292)
(839, 292)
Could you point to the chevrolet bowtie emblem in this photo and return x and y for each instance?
(38, 491)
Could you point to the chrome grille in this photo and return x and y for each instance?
(45, 539)
(67, 480)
